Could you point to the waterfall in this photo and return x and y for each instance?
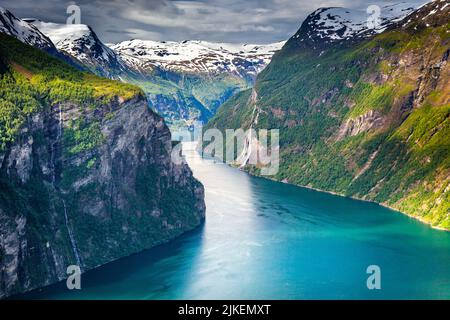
(246, 153)
(52, 161)
(72, 238)
(244, 157)
(60, 122)
(53, 145)
(69, 230)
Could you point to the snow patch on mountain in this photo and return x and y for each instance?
(197, 56)
(81, 42)
(334, 24)
(23, 31)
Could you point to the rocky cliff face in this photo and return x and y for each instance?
(371, 120)
(83, 181)
(62, 207)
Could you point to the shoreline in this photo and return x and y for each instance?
(418, 218)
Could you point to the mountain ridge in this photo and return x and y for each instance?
(195, 56)
(80, 42)
(24, 32)
(333, 24)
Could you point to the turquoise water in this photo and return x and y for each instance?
(268, 240)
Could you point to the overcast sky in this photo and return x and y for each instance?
(249, 21)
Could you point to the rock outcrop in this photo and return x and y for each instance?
(371, 120)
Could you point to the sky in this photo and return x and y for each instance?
(236, 21)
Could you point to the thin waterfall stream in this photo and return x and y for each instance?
(72, 238)
(66, 218)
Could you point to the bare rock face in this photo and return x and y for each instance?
(368, 121)
(84, 186)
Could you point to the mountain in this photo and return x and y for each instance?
(197, 57)
(86, 174)
(366, 117)
(24, 31)
(184, 81)
(328, 25)
(189, 80)
(80, 42)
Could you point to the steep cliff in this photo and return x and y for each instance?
(366, 117)
(86, 175)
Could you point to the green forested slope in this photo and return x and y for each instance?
(367, 119)
(31, 79)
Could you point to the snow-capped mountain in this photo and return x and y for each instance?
(80, 42)
(24, 31)
(200, 57)
(328, 25)
(183, 80)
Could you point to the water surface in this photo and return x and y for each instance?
(268, 240)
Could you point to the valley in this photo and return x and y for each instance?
(268, 240)
(360, 109)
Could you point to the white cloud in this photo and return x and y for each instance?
(214, 20)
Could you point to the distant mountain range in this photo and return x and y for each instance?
(189, 80)
(80, 42)
(198, 57)
(184, 81)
